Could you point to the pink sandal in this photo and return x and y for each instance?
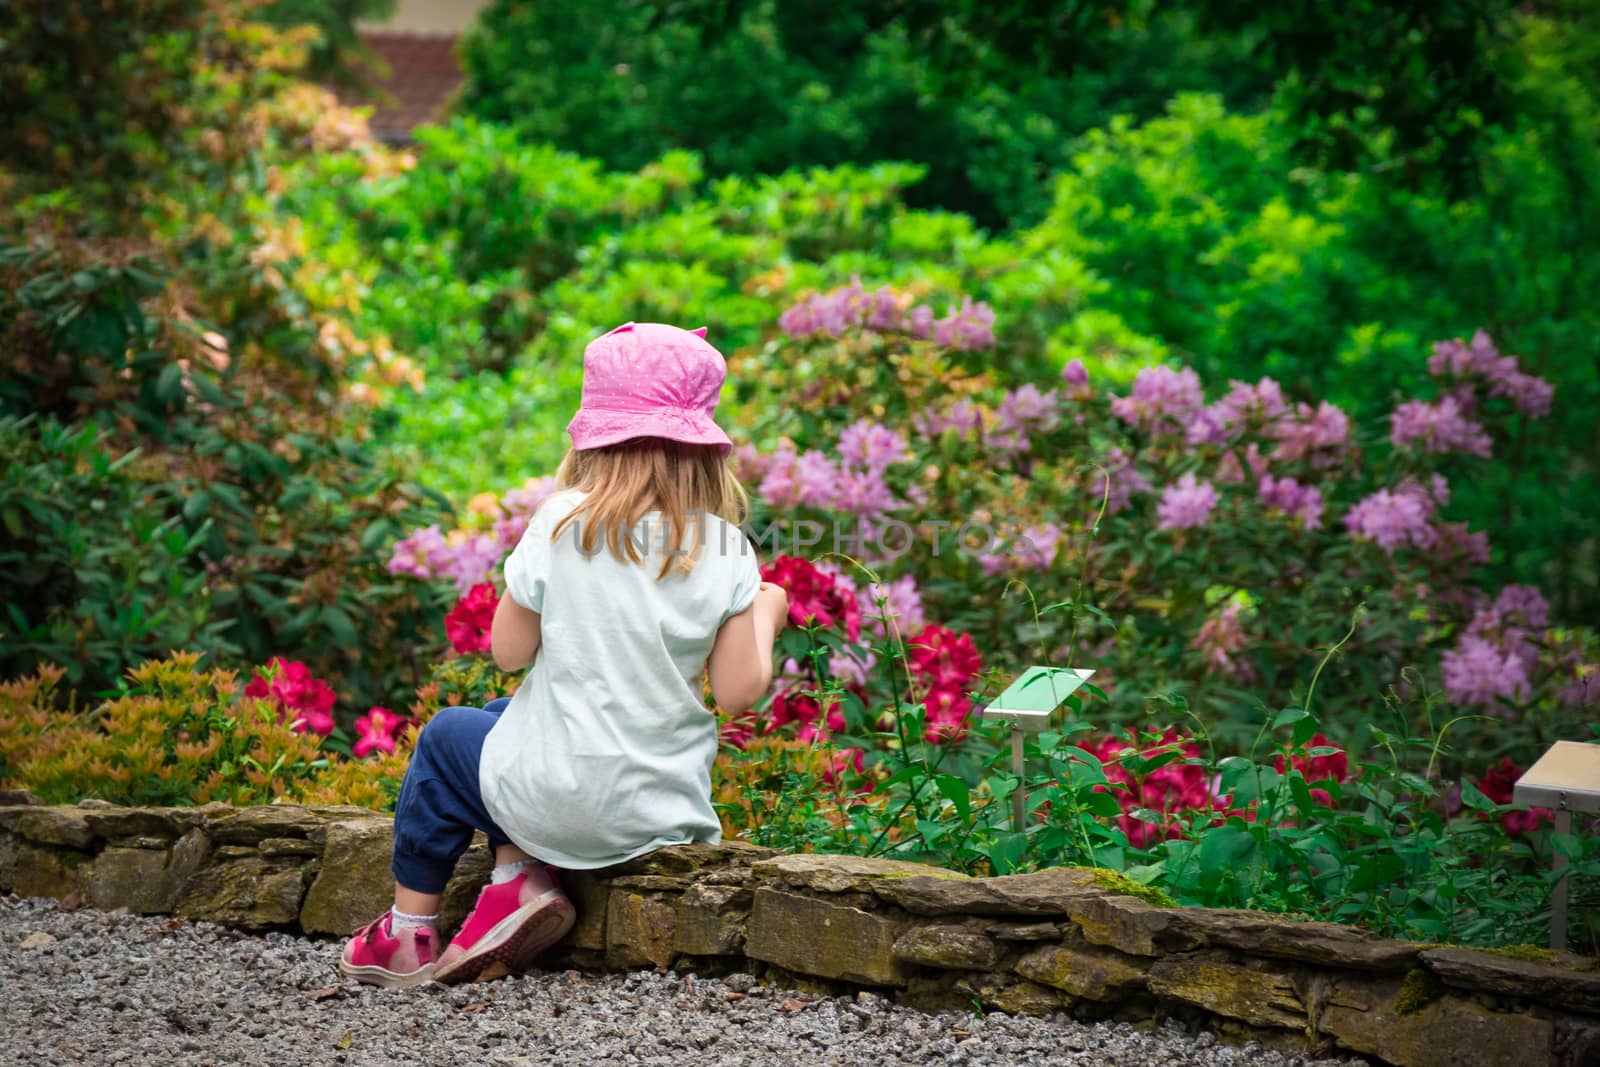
(377, 956)
(511, 924)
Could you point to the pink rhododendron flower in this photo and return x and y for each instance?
(1023, 412)
(1220, 638)
(1397, 518)
(870, 446)
(1162, 401)
(1117, 486)
(964, 417)
(1479, 358)
(1186, 504)
(1317, 436)
(1031, 549)
(304, 701)
(469, 621)
(418, 553)
(1439, 427)
(378, 731)
(1302, 502)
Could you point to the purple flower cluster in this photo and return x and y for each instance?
(466, 557)
(1021, 413)
(1317, 436)
(965, 417)
(1032, 549)
(1220, 638)
(902, 601)
(967, 327)
(1186, 504)
(1442, 426)
(1163, 400)
(854, 483)
(1480, 359)
(1119, 483)
(1244, 407)
(1301, 502)
(1494, 659)
(1400, 517)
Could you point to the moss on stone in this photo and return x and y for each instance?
(1525, 953)
(1418, 989)
(956, 876)
(1121, 884)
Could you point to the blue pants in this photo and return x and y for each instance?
(439, 805)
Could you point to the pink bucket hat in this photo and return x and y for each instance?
(648, 379)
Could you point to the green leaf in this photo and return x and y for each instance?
(1472, 797)
(956, 791)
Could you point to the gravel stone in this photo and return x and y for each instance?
(122, 989)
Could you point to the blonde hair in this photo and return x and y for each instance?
(625, 481)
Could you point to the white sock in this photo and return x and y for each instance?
(504, 872)
(399, 920)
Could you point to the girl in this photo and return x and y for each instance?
(625, 587)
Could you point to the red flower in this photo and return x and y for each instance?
(1335, 765)
(469, 621)
(1175, 787)
(845, 760)
(305, 702)
(1497, 784)
(814, 596)
(378, 730)
(945, 659)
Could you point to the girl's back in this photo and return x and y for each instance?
(605, 752)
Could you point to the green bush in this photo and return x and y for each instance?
(189, 470)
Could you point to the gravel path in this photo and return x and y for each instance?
(89, 987)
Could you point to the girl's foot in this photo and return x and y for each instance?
(378, 956)
(511, 924)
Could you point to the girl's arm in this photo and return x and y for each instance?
(741, 659)
(514, 635)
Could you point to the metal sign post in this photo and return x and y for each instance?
(1566, 779)
(1027, 704)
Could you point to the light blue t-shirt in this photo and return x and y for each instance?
(605, 751)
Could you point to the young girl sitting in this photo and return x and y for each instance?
(625, 587)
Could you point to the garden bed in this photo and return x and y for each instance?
(1064, 939)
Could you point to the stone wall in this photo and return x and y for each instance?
(1058, 940)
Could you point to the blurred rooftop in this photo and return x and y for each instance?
(417, 45)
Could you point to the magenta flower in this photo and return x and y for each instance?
(1075, 375)
(304, 701)
(378, 731)
(1186, 504)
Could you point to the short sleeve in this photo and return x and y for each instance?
(747, 577)
(528, 567)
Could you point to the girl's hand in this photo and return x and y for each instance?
(773, 601)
